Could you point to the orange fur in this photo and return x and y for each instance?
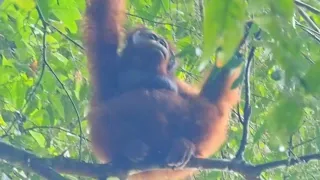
(187, 89)
(103, 26)
(154, 116)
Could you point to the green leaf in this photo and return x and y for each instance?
(284, 8)
(49, 82)
(39, 138)
(44, 8)
(165, 5)
(311, 79)
(37, 117)
(286, 50)
(51, 114)
(258, 134)
(2, 122)
(68, 13)
(33, 104)
(155, 7)
(223, 26)
(6, 74)
(5, 62)
(255, 6)
(20, 90)
(68, 109)
(58, 106)
(27, 5)
(285, 118)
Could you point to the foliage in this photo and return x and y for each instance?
(44, 96)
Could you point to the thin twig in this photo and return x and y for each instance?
(283, 163)
(305, 142)
(41, 169)
(66, 36)
(307, 6)
(30, 95)
(312, 35)
(308, 19)
(57, 78)
(35, 87)
(159, 22)
(311, 32)
(72, 102)
(308, 58)
(307, 28)
(240, 118)
(48, 127)
(37, 84)
(57, 128)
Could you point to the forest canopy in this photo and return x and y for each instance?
(45, 89)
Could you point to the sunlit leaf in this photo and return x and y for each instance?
(25, 4)
(2, 122)
(223, 26)
(67, 12)
(285, 118)
(39, 138)
(44, 8)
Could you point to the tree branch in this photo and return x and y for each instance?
(45, 166)
(284, 163)
(66, 36)
(28, 161)
(44, 59)
(247, 105)
(247, 108)
(308, 19)
(308, 7)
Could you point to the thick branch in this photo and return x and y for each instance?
(28, 161)
(247, 105)
(247, 108)
(45, 166)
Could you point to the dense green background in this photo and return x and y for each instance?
(42, 100)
